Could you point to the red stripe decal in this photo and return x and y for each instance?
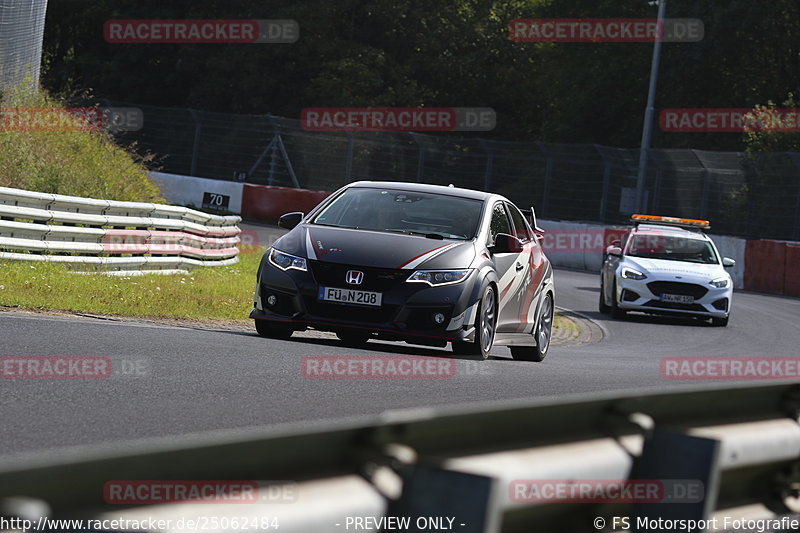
(504, 291)
(420, 255)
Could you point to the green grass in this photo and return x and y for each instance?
(212, 293)
(562, 323)
(77, 163)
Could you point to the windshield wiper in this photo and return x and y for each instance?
(436, 236)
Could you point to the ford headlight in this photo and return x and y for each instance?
(629, 273)
(286, 261)
(720, 283)
(436, 278)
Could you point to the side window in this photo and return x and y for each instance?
(520, 226)
(499, 223)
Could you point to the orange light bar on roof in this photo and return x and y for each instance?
(705, 224)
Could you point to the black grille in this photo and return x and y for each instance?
(351, 313)
(375, 279)
(675, 305)
(721, 304)
(629, 295)
(673, 287)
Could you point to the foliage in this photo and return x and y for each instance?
(75, 162)
(441, 53)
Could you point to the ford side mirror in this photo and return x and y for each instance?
(727, 262)
(614, 250)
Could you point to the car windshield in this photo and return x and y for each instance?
(398, 211)
(672, 248)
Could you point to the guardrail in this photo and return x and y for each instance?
(120, 238)
(738, 447)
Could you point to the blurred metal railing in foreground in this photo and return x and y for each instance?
(740, 446)
(124, 238)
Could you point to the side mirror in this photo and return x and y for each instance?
(290, 220)
(614, 250)
(506, 244)
(617, 243)
(539, 234)
(727, 262)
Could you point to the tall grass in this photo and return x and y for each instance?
(78, 163)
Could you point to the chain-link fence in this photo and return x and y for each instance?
(752, 195)
(21, 33)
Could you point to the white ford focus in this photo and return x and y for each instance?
(667, 266)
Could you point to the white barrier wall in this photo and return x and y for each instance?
(200, 192)
(573, 244)
(733, 247)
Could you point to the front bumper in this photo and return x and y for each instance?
(406, 312)
(646, 296)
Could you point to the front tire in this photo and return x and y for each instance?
(265, 328)
(543, 333)
(485, 327)
(603, 306)
(616, 312)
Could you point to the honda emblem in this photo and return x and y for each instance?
(354, 277)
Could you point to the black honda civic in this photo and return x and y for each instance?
(426, 264)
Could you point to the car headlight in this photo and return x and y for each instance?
(286, 261)
(720, 283)
(436, 278)
(629, 273)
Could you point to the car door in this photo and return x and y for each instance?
(509, 273)
(530, 265)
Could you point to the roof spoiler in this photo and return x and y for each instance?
(530, 214)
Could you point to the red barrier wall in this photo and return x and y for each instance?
(766, 266)
(269, 203)
(791, 285)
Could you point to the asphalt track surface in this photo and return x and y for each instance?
(171, 380)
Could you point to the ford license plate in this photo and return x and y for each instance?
(677, 298)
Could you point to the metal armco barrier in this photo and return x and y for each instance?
(116, 237)
(739, 447)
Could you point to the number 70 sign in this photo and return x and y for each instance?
(212, 200)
